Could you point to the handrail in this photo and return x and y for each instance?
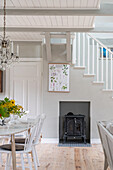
(100, 43)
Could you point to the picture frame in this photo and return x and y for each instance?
(59, 77)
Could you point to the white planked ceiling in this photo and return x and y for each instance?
(51, 3)
(24, 36)
(49, 21)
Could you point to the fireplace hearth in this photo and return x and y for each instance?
(74, 127)
(74, 122)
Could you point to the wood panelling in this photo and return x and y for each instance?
(52, 3)
(24, 36)
(49, 21)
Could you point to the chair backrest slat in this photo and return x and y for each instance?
(33, 134)
(39, 128)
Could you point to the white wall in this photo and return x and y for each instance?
(81, 89)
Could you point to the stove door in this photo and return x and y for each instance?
(77, 127)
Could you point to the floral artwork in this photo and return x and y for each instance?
(59, 77)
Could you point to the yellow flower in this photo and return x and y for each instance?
(12, 102)
(19, 107)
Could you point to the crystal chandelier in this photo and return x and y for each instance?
(7, 55)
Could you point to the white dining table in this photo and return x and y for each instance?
(11, 130)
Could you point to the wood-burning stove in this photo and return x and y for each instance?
(74, 127)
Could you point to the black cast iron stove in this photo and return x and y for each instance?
(74, 127)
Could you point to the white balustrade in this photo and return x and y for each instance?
(100, 65)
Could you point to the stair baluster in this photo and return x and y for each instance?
(97, 74)
(83, 49)
(102, 64)
(88, 56)
(93, 54)
(111, 71)
(79, 49)
(106, 70)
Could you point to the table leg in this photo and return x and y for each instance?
(13, 151)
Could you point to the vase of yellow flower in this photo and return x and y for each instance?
(8, 107)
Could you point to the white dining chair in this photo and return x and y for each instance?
(3, 140)
(39, 120)
(21, 149)
(37, 137)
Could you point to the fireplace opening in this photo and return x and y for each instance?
(74, 122)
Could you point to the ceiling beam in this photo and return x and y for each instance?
(104, 10)
(93, 30)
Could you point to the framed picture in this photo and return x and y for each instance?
(59, 77)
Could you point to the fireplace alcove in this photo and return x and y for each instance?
(77, 108)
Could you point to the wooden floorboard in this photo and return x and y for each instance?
(52, 157)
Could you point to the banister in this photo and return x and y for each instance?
(100, 43)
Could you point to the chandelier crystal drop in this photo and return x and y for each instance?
(7, 55)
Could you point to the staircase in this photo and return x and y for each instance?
(95, 58)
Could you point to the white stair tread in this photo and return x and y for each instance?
(89, 75)
(98, 82)
(79, 67)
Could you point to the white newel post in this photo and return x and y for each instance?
(102, 65)
(74, 50)
(83, 49)
(93, 54)
(111, 71)
(78, 49)
(106, 69)
(88, 55)
(97, 62)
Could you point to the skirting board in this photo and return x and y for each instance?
(56, 140)
(95, 141)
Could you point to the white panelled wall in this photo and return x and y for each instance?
(26, 85)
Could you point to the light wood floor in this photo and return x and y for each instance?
(52, 157)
